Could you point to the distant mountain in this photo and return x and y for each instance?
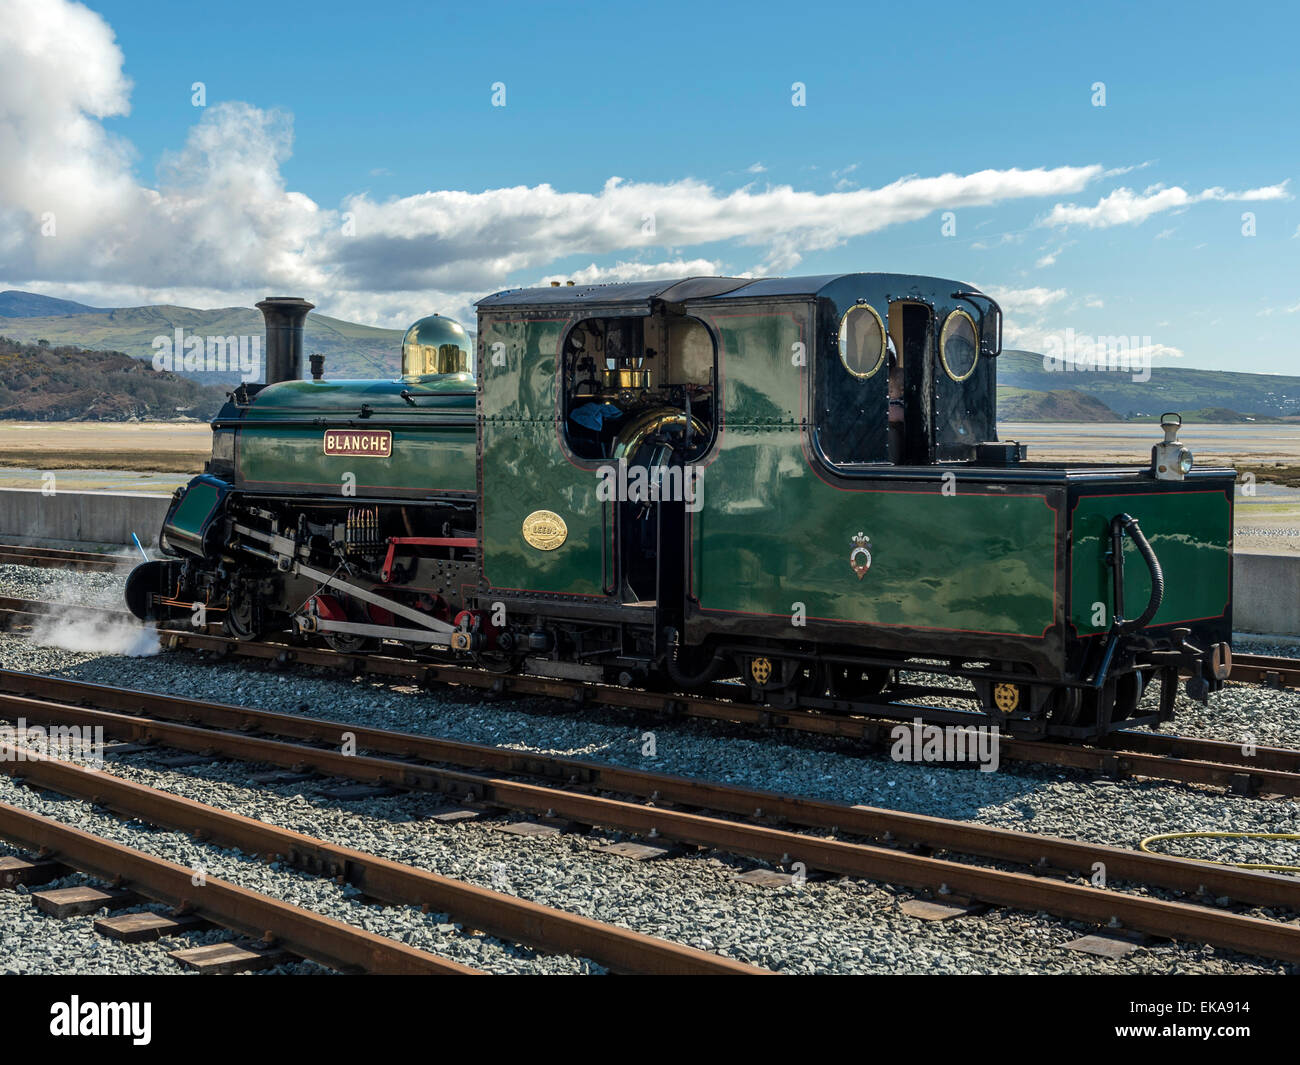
(1059, 405)
(1170, 388)
(350, 350)
(69, 383)
(15, 304)
(1223, 415)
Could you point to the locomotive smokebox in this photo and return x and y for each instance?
(284, 317)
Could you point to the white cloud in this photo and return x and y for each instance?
(60, 73)
(1157, 353)
(482, 237)
(69, 207)
(220, 224)
(841, 176)
(1070, 343)
(600, 275)
(1021, 300)
(1126, 207)
(1048, 258)
(1119, 171)
(1033, 323)
(1023, 311)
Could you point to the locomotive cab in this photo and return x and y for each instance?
(902, 376)
(638, 395)
(624, 378)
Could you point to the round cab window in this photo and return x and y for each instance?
(959, 346)
(862, 340)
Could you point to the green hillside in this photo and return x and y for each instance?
(1169, 388)
(15, 304)
(350, 350)
(1059, 405)
(1026, 390)
(72, 384)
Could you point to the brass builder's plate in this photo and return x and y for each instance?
(545, 530)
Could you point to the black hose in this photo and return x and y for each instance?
(711, 672)
(1130, 526)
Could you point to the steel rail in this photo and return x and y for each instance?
(1183, 759)
(53, 558)
(503, 915)
(1260, 669)
(65, 552)
(1242, 776)
(1245, 755)
(1275, 672)
(28, 610)
(664, 790)
(832, 855)
(300, 931)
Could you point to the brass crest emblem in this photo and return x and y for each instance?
(860, 556)
(1006, 697)
(761, 670)
(545, 530)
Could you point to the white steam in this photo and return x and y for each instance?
(76, 622)
(74, 629)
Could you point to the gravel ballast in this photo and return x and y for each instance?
(821, 926)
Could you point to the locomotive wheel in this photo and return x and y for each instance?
(1065, 706)
(243, 619)
(349, 643)
(1129, 690)
(147, 580)
(785, 681)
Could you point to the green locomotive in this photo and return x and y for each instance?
(790, 490)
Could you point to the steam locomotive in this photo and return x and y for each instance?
(787, 490)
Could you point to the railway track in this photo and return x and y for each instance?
(276, 927)
(1188, 760)
(60, 558)
(301, 931)
(26, 611)
(1183, 759)
(1273, 671)
(915, 851)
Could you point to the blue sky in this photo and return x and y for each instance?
(362, 109)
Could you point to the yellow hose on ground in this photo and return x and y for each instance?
(1224, 835)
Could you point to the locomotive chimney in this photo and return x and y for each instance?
(284, 317)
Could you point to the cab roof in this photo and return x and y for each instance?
(680, 290)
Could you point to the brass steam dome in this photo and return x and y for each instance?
(436, 345)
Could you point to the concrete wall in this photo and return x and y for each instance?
(95, 517)
(1267, 587)
(1266, 593)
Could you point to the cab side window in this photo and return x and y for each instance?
(852, 387)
